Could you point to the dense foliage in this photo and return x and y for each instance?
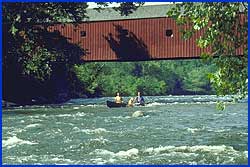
(152, 78)
(226, 31)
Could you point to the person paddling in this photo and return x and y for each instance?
(131, 102)
(118, 98)
(139, 99)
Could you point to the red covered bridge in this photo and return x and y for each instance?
(147, 34)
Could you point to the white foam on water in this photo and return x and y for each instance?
(152, 150)
(62, 161)
(217, 114)
(128, 153)
(102, 152)
(217, 130)
(80, 114)
(229, 161)
(21, 159)
(67, 140)
(91, 105)
(190, 149)
(101, 161)
(56, 159)
(95, 131)
(29, 158)
(14, 131)
(100, 140)
(121, 117)
(244, 133)
(121, 154)
(181, 155)
(193, 130)
(111, 160)
(76, 129)
(107, 120)
(246, 154)
(13, 141)
(154, 104)
(64, 115)
(32, 125)
(141, 127)
(95, 105)
(67, 123)
(98, 161)
(176, 102)
(99, 130)
(214, 149)
(233, 113)
(220, 130)
(222, 154)
(37, 117)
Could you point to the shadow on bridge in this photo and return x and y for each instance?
(66, 51)
(127, 46)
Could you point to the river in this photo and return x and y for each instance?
(173, 130)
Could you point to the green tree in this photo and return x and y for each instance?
(89, 74)
(149, 85)
(19, 20)
(152, 78)
(196, 81)
(225, 28)
(29, 56)
(26, 46)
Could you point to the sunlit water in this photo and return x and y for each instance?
(173, 130)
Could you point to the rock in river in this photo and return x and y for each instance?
(137, 114)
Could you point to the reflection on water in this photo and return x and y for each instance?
(173, 130)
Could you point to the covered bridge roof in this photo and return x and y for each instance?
(152, 11)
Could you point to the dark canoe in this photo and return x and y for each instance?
(139, 104)
(112, 104)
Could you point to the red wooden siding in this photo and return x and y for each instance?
(148, 34)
